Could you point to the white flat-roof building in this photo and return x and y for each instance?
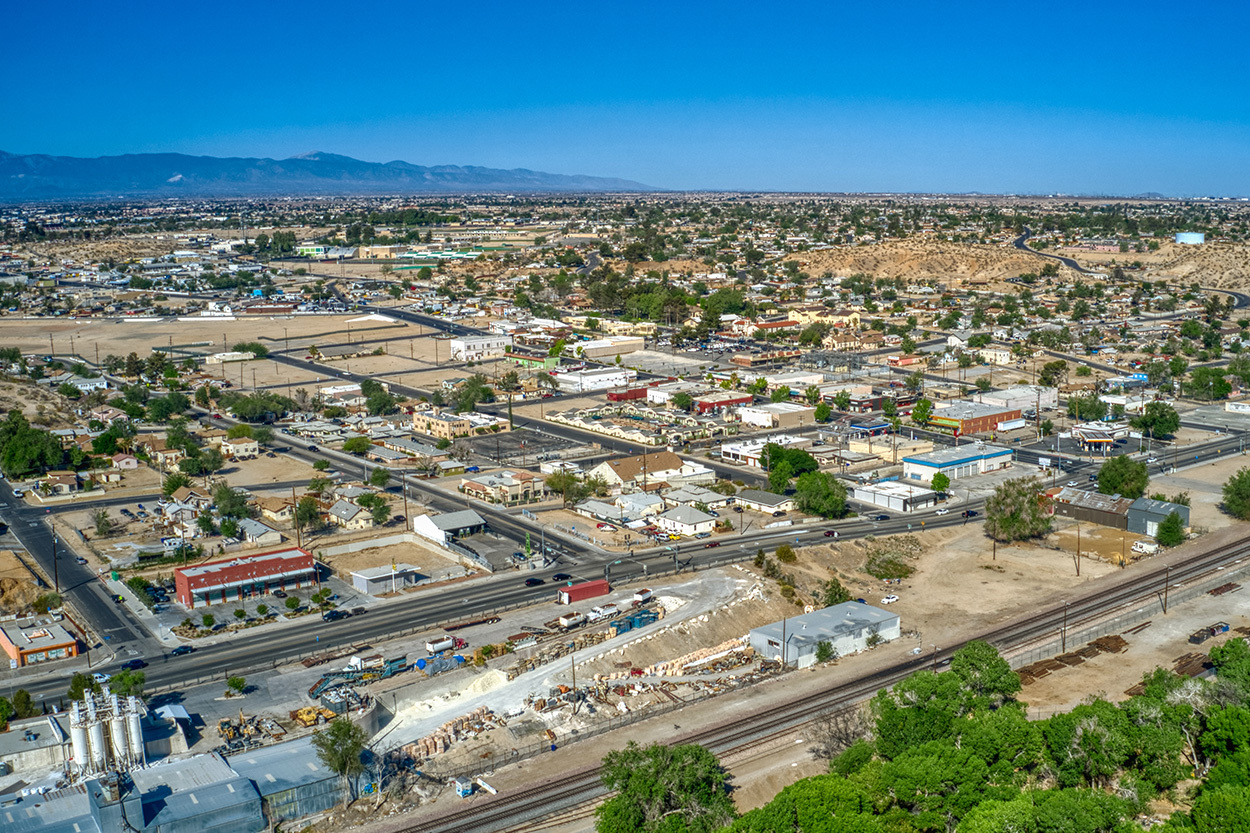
(475, 348)
(749, 452)
(385, 579)
(901, 497)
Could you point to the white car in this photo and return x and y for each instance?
(1073, 484)
(1148, 460)
(101, 678)
(943, 512)
(18, 493)
(889, 600)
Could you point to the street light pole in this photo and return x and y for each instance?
(1063, 645)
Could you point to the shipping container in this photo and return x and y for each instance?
(585, 590)
(641, 597)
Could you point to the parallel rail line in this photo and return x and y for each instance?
(559, 795)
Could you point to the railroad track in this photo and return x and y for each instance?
(507, 811)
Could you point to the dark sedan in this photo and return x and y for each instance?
(533, 582)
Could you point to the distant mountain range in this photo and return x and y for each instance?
(40, 177)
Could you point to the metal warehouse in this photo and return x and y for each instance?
(1145, 515)
(1105, 510)
(239, 578)
(847, 628)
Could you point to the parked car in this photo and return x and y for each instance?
(358, 611)
(18, 493)
(279, 594)
(607, 527)
(889, 600)
(737, 508)
(81, 560)
(780, 513)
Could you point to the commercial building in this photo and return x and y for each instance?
(892, 494)
(751, 452)
(762, 501)
(446, 425)
(1091, 507)
(719, 401)
(764, 358)
(1019, 397)
(580, 381)
(777, 415)
(1145, 515)
(34, 641)
(509, 488)
(1190, 238)
(238, 578)
(385, 579)
(449, 525)
(685, 520)
(956, 462)
(610, 347)
(475, 348)
(847, 628)
(963, 418)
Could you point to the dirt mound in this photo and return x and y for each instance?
(924, 259)
(1220, 265)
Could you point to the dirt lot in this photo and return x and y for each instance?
(428, 559)
(17, 588)
(1204, 484)
(1159, 645)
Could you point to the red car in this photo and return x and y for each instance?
(711, 544)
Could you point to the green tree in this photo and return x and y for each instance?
(321, 464)
(307, 513)
(833, 593)
(1123, 475)
(785, 554)
(781, 394)
(208, 620)
(80, 683)
(1171, 532)
(127, 683)
(291, 603)
(921, 411)
(569, 486)
(1053, 374)
(682, 401)
(823, 412)
(379, 478)
(842, 400)
(340, 748)
(357, 445)
(1237, 495)
(779, 477)
(1016, 511)
(23, 705)
(820, 493)
(812, 395)
(103, 523)
(237, 684)
(985, 677)
(664, 789)
(940, 482)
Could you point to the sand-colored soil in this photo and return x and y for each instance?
(919, 259)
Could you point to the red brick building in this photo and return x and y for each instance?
(256, 574)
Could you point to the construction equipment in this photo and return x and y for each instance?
(310, 716)
(365, 671)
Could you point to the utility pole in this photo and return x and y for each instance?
(1063, 649)
(1167, 579)
(573, 668)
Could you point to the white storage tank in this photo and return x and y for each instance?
(117, 734)
(96, 733)
(135, 724)
(78, 740)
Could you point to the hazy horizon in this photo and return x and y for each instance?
(957, 99)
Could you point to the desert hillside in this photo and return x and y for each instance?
(920, 259)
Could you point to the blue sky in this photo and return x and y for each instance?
(1117, 98)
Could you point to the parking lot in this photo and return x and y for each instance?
(522, 447)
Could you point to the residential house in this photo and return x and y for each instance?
(276, 509)
(685, 520)
(650, 471)
(60, 482)
(193, 496)
(125, 462)
(257, 533)
(350, 516)
(240, 449)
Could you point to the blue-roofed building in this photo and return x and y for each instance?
(956, 462)
(1145, 515)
